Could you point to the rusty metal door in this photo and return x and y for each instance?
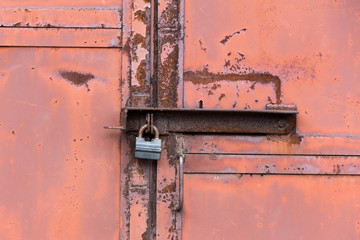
(244, 55)
(60, 77)
(66, 71)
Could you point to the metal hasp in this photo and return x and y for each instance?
(181, 120)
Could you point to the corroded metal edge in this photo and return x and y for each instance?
(181, 120)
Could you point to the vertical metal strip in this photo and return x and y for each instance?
(154, 65)
(154, 89)
(181, 87)
(181, 184)
(126, 20)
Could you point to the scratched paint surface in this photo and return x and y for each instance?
(244, 55)
(60, 76)
(59, 169)
(309, 46)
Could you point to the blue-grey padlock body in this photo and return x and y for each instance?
(148, 149)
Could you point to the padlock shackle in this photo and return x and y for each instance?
(142, 129)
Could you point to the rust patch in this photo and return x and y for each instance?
(140, 100)
(141, 15)
(169, 81)
(201, 46)
(138, 39)
(252, 87)
(227, 63)
(141, 73)
(50, 26)
(221, 96)
(138, 167)
(169, 17)
(295, 139)
(292, 138)
(227, 37)
(215, 86)
(171, 149)
(206, 77)
(290, 107)
(144, 236)
(169, 188)
(77, 78)
(18, 24)
(337, 168)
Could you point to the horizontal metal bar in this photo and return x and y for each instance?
(181, 120)
(273, 154)
(42, 46)
(274, 174)
(272, 164)
(187, 110)
(62, 27)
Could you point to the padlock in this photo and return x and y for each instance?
(148, 149)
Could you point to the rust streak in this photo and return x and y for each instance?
(201, 46)
(227, 37)
(292, 138)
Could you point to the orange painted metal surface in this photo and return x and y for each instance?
(60, 37)
(309, 50)
(60, 77)
(59, 169)
(96, 5)
(60, 18)
(63, 64)
(280, 145)
(244, 55)
(272, 164)
(271, 207)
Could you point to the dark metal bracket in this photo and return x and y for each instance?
(273, 120)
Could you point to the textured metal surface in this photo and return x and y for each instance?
(272, 164)
(96, 5)
(288, 144)
(59, 168)
(212, 121)
(60, 18)
(244, 55)
(60, 37)
(237, 55)
(271, 207)
(60, 73)
(302, 52)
